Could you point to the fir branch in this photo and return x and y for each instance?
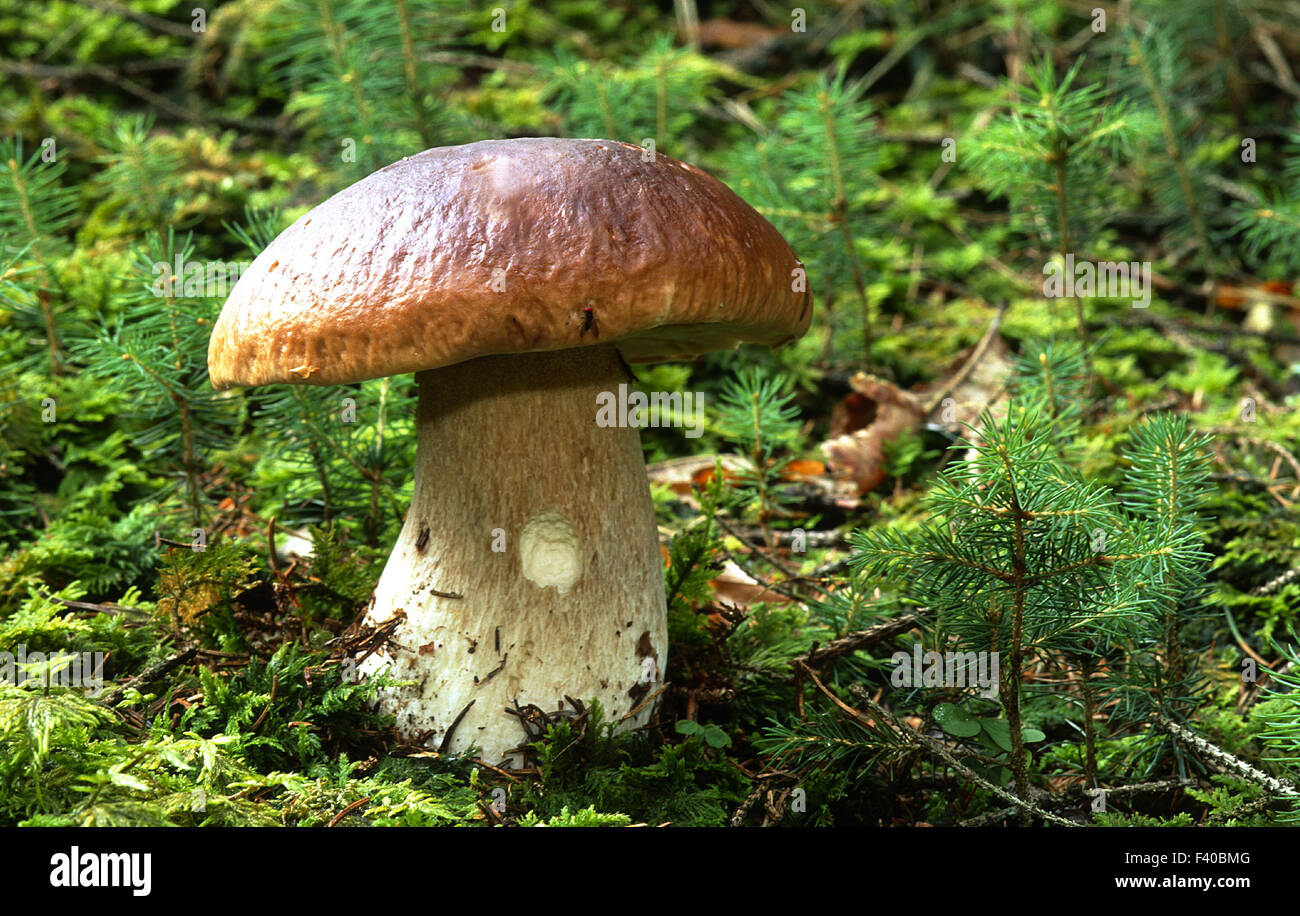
(813, 174)
(925, 741)
(1030, 558)
(757, 413)
(1144, 49)
(36, 213)
(157, 353)
(1225, 760)
(649, 100)
(355, 72)
(1051, 156)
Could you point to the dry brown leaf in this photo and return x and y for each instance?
(735, 586)
(730, 34)
(678, 474)
(803, 469)
(877, 413)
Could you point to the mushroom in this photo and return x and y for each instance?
(514, 277)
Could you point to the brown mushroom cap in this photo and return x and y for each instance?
(501, 247)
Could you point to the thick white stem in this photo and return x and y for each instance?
(541, 522)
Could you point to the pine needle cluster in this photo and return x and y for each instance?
(1054, 155)
(812, 173)
(1029, 559)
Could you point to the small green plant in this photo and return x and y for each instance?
(756, 412)
(1281, 715)
(709, 733)
(360, 83)
(142, 177)
(1052, 156)
(694, 559)
(156, 355)
(1028, 558)
(1160, 73)
(587, 817)
(197, 587)
(993, 733)
(812, 173)
(649, 102)
(36, 212)
(585, 762)
(1270, 225)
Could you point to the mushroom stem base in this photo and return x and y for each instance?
(528, 569)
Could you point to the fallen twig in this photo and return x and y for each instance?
(862, 638)
(646, 702)
(912, 736)
(1273, 585)
(275, 686)
(451, 729)
(153, 672)
(988, 817)
(738, 817)
(85, 605)
(1223, 759)
(935, 399)
(348, 810)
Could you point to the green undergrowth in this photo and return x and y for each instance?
(1105, 493)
